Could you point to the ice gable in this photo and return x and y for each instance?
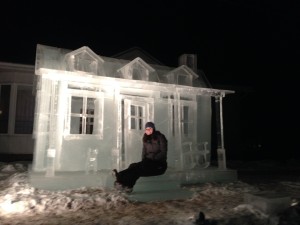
(84, 60)
(137, 69)
(91, 111)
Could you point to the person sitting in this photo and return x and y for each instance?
(153, 163)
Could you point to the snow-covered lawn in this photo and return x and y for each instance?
(20, 203)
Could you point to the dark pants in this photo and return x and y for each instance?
(145, 168)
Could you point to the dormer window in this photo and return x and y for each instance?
(83, 60)
(183, 79)
(137, 69)
(182, 75)
(84, 63)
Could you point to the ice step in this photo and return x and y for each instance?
(162, 195)
(156, 185)
(158, 188)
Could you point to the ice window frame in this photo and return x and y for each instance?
(85, 63)
(185, 121)
(186, 118)
(137, 117)
(89, 116)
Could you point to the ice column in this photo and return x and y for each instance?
(220, 134)
(51, 152)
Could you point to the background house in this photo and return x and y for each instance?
(17, 104)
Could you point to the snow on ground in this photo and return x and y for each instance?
(20, 203)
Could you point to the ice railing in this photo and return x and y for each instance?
(195, 156)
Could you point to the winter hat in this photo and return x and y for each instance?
(150, 124)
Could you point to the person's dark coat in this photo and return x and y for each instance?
(155, 147)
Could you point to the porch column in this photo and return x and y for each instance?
(220, 133)
(52, 150)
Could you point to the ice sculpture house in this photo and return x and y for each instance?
(91, 110)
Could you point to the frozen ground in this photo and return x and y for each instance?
(221, 203)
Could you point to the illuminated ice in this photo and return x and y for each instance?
(91, 110)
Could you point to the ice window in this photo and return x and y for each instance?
(173, 120)
(136, 74)
(85, 63)
(137, 116)
(181, 79)
(185, 120)
(82, 115)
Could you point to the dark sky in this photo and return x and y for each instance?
(234, 39)
(254, 43)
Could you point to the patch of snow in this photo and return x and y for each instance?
(222, 203)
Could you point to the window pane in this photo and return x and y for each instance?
(76, 126)
(140, 108)
(140, 113)
(90, 106)
(136, 74)
(133, 110)
(181, 79)
(77, 103)
(185, 120)
(141, 124)
(85, 63)
(89, 126)
(90, 120)
(24, 110)
(4, 107)
(173, 120)
(133, 125)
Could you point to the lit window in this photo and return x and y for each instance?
(137, 117)
(82, 115)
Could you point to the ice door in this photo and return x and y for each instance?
(136, 113)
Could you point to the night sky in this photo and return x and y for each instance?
(250, 44)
